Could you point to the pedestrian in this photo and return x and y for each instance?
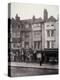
(40, 61)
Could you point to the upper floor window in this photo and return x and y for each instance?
(37, 34)
(52, 44)
(26, 44)
(52, 32)
(16, 45)
(48, 33)
(48, 44)
(26, 35)
(15, 34)
(18, 26)
(27, 26)
(47, 25)
(37, 44)
(34, 44)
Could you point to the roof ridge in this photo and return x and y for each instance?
(51, 18)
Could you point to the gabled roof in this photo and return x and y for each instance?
(51, 18)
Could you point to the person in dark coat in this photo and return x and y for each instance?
(40, 61)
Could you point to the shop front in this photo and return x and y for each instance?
(51, 55)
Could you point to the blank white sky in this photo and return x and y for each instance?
(26, 11)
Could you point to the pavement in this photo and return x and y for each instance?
(33, 65)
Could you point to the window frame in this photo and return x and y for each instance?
(48, 33)
(52, 33)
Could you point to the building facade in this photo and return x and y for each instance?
(50, 32)
(35, 33)
(15, 36)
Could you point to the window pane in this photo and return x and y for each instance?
(52, 44)
(26, 44)
(27, 26)
(34, 44)
(47, 25)
(52, 32)
(18, 26)
(39, 44)
(48, 44)
(48, 33)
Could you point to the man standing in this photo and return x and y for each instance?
(40, 61)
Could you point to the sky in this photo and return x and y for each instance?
(27, 11)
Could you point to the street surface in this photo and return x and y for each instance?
(31, 69)
(19, 71)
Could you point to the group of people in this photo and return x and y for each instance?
(27, 55)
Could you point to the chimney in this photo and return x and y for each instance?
(33, 18)
(45, 15)
(17, 17)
